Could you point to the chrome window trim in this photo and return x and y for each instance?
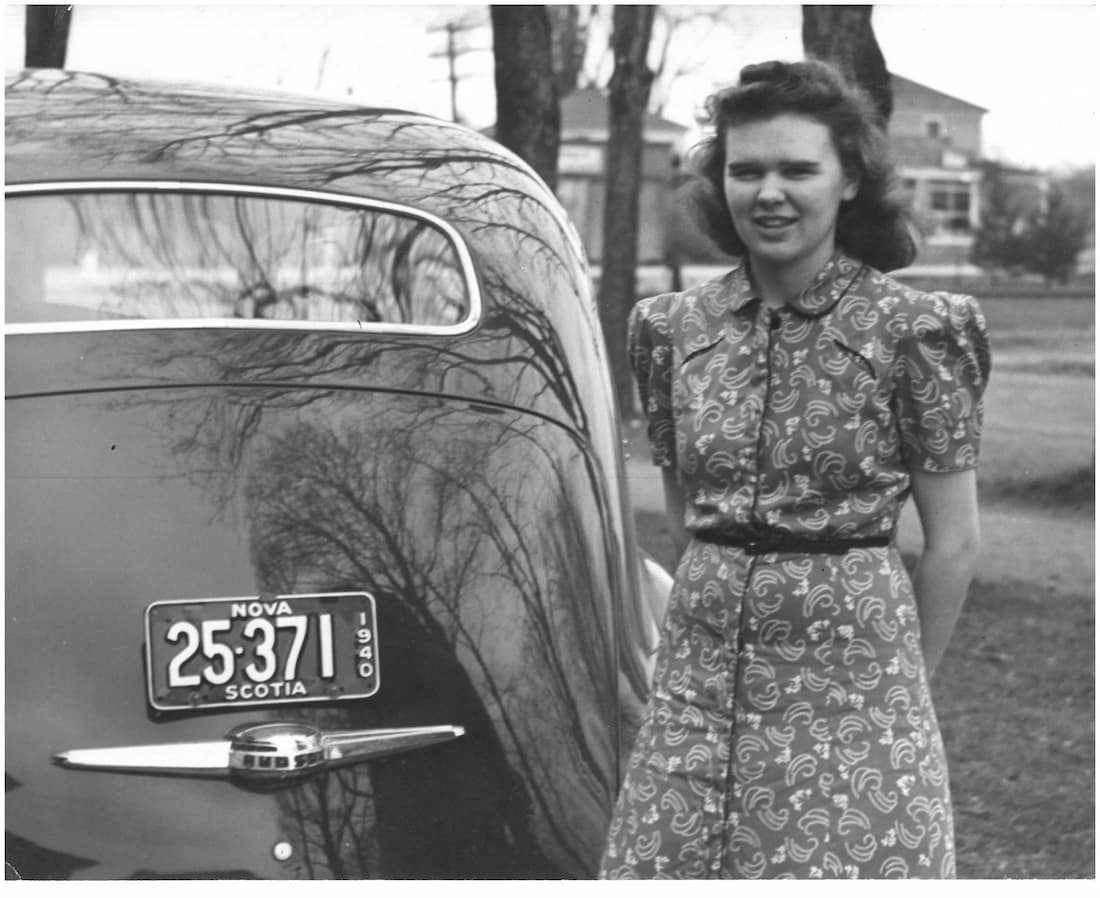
(465, 258)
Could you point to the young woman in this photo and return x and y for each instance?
(794, 404)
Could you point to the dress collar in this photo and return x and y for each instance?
(830, 284)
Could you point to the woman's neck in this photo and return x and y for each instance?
(777, 284)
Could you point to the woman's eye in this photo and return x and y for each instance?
(800, 171)
(743, 174)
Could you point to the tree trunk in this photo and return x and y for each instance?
(843, 36)
(628, 97)
(569, 41)
(46, 35)
(528, 108)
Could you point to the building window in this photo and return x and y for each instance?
(934, 127)
(909, 192)
(949, 202)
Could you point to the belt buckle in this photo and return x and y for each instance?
(760, 542)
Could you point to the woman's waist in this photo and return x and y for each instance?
(762, 539)
(764, 519)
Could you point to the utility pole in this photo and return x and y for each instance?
(453, 52)
(46, 36)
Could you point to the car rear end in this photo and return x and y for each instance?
(314, 537)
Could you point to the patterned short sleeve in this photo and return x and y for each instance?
(940, 374)
(650, 352)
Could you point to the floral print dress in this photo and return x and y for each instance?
(790, 730)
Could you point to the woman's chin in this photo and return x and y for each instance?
(774, 252)
(790, 254)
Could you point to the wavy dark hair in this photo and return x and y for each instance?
(876, 226)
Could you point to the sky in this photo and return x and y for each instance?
(1031, 65)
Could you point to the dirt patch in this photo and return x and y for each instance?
(1015, 698)
(1075, 367)
(1071, 492)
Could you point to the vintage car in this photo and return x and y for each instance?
(319, 554)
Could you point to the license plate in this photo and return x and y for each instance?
(216, 653)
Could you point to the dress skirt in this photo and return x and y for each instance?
(790, 731)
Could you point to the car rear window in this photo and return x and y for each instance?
(97, 256)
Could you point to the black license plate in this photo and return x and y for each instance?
(214, 653)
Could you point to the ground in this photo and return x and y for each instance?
(1015, 693)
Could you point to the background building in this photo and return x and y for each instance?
(581, 167)
(938, 142)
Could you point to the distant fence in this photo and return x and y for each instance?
(653, 279)
(986, 288)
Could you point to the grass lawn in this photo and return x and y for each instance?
(1044, 336)
(1015, 322)
(1015, 693)
(1038, 433)
(1015, 698)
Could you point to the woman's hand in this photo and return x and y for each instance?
(948, 508)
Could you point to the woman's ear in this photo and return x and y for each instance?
(851, 189)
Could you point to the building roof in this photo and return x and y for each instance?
(585, 110)
(898, 80)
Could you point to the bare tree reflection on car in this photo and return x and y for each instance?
(280, 349)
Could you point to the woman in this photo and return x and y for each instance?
(794, 404)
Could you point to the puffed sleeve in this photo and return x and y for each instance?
(940, 374)
(650, 350)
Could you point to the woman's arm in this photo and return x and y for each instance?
(675, 505)
(948, 508)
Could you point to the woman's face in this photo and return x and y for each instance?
(784, 186)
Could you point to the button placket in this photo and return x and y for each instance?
(768, 330)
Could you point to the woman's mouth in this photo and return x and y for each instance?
(773, 222)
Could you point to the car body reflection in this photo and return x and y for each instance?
(458, 461)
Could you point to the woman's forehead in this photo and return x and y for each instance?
(785, 135)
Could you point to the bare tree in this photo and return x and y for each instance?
(627, 101)
(670, 62)
(46, 36)
(843, 36)
(528, 108)
(570, 26)
(676, 47)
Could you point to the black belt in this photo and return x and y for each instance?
(763, 541)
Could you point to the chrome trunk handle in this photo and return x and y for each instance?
(257, 755)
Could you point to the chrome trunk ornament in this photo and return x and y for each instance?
(260, 755)
(275, 751)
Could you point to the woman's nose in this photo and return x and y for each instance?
(771, 189)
